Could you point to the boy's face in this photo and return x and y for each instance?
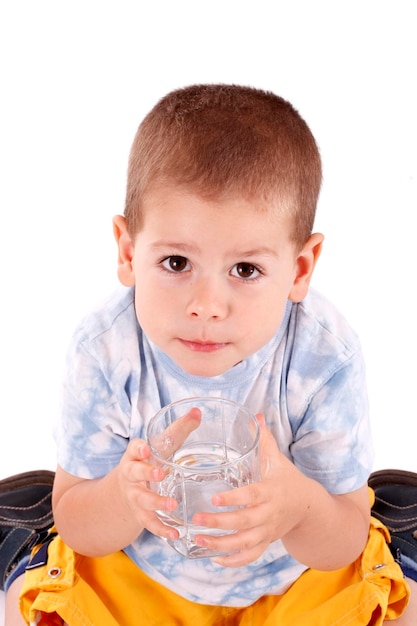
(211, 277)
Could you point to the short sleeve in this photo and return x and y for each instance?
(92, 432)
(332, 442)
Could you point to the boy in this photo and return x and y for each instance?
(216, 254)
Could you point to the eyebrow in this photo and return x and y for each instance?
(184, 247)
(193, 248)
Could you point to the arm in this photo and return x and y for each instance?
(333, 530)
(322, 530)
(99, 516)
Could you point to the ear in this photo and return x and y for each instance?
(304, 267)
(126, 250)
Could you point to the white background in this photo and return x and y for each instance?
(76, 79)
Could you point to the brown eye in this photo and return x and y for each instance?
(176, 263)
(246, 270)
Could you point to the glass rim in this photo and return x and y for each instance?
(193, 401)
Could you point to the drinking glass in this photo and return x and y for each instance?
(205, 446)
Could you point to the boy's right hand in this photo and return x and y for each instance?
(99, 516)
(135, 472)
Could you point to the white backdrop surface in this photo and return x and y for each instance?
(76, 79)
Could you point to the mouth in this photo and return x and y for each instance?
(203, 346)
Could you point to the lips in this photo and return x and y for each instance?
(203, 346)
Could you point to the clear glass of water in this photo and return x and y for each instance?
(205, 446)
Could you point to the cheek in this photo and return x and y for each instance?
(264, 317)
(265, 308)
(144, 305)
(153, 306)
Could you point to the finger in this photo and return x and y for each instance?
(269, 453)
(137, 450)
(141, 472)
(249, 495)
(239, 548)
(142, 498)
(137, 465)
(185, 425)
(238, 520)
(172, 438)
(155, 526)
(240, 558)
(232, 542)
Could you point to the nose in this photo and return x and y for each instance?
(208, 300)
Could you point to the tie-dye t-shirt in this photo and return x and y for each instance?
(309, 381)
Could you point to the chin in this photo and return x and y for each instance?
(206, 370)
(204, 365)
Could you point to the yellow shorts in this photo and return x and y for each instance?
(112, 591)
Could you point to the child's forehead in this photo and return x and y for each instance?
(175, 214)
(170, 196)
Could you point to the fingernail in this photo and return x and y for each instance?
(172, 534)
(170, 504)
(201, 541)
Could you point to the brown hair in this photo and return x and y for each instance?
(218, 140)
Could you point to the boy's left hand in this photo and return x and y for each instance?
(271, 508)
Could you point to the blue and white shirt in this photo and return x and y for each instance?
(308, 381)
